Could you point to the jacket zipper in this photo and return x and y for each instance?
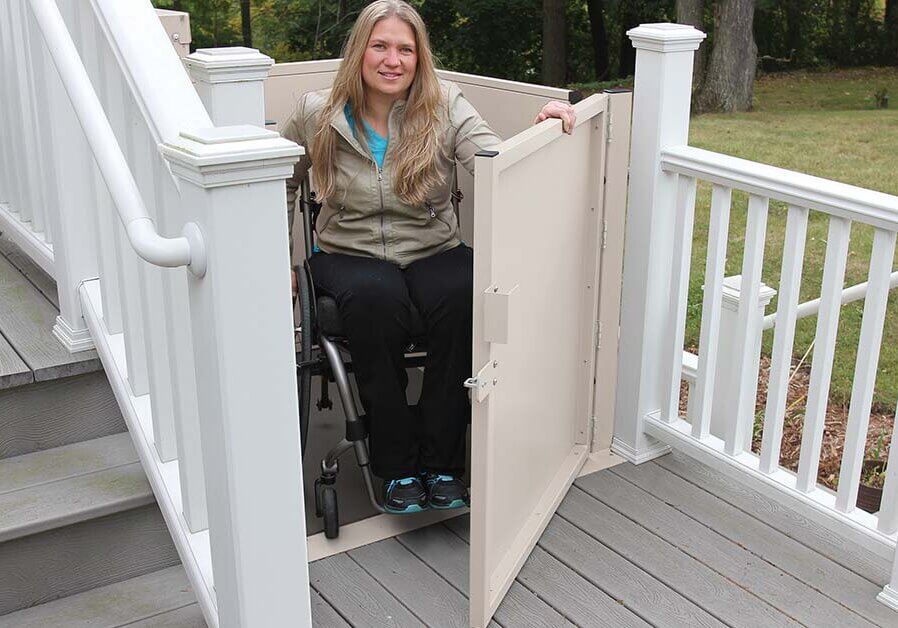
(380, 188)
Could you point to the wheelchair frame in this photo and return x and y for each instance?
(324, 357)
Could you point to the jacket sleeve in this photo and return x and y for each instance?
(472, 133)
(295, 131)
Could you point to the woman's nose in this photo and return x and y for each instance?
(392, 57)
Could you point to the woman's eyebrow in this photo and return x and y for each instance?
(379, 40)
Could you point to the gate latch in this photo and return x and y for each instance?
(486, 379)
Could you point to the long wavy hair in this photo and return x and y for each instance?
(417, 150)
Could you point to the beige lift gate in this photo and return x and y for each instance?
(546, 282)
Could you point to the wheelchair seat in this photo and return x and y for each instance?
(329, 323)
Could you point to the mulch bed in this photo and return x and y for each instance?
(879, 433)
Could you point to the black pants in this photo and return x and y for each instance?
(374, 298)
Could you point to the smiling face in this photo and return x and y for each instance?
(391, 57)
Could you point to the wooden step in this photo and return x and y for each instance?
(48, 397)
(76, 517)
(162, 599)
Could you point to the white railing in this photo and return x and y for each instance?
(723, 377)
(110, 169)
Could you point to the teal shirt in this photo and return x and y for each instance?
(377, 143)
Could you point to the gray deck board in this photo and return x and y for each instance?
(362, 600)
(26, 321)
(788, 594)
(637, 590)
(792, 523)
(817, 571)
(185, 617)
(426, 594)
(324, 615)
(34, 273)
(447, 554)
(13, 371)
(689, 577)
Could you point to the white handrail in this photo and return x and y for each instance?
(187, 250)
(849, 295)
(803, 190)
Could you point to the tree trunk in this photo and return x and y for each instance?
(730, 75)
(629, 18)
(246, 20)
(176, 5)
(599, 38)
(692, 12)
(554, 42)
(891, 32)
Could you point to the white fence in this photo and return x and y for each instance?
(717, 428)
(111, 167)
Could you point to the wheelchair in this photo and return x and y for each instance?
(324, 353)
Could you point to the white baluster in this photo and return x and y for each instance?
(25, 115)
(824, 351)
(748, 334)
(39, 112)
(241, 317)
(128, 276)
(74, 243)
(662, 93)
(230, 83)
(888, 512)
(786, 315)
(92, 49)
(679, 293)
(865, 368)
(721, 199)
(7, 178)
(20, 198)
(889, 593)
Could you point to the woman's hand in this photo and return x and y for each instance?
(558, 109)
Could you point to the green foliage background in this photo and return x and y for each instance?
(503, 38)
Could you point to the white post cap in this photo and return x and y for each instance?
(666, 37)
(732, 293)
(228, 65)
(231, 155)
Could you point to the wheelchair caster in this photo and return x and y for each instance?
(330, 512)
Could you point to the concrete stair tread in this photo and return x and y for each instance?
(163, 598)
(49, 489)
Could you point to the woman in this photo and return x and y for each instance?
(384, 140)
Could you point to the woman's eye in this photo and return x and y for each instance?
(378, 46)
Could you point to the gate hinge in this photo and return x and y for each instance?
(609, 126)
(604, 233)
(598, 334)
(486, 379)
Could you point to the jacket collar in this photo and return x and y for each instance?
(341, 124)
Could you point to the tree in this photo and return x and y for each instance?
(630, 17)
(246, 22)
(600, 39)
(730, 74)
(692, 12)
(891, 32)
(554, 42)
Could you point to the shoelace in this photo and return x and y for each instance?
(432, 480)
(400, 482)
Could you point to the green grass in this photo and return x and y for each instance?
(826, 125)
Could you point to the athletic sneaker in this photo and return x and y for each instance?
(446, 491)
(404, 495)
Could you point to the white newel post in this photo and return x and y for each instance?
(230, 83)
(725, 388)
(232, 186)
(661, 101)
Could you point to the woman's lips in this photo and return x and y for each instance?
(390, 76)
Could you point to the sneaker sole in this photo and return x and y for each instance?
(406, 511)
(458, 503)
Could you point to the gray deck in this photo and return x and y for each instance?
(668, 543)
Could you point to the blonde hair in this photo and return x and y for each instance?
(417, 149)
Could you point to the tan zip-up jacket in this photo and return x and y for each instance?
(364, 216)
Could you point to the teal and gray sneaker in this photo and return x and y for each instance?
(446, 491)
(404, 495)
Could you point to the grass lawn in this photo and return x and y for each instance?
(824, 124)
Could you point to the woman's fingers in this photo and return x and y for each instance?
(557, 109)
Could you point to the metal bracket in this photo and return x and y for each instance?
(483, 383)
(604, 233)
(496, 309)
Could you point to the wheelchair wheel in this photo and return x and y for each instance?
(330, 512)
(304, 376)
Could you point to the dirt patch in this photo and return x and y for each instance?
(879, 433)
